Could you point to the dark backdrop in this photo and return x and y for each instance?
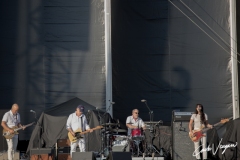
(51, 51)
(164, 53)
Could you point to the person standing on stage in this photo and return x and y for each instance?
(134, 121)
(12, 119)
(198, 121)
(75, 121)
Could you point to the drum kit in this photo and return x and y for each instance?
(110, 137)
(115, 139)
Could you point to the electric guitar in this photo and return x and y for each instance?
(196, 135)
(79, 132)
(9, 135)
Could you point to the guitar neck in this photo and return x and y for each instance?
(17, 129)
(206, 129)
(89, 131)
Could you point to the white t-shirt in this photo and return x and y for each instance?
(138, 122)
(74, 122)
(11, 119)
(197, 121)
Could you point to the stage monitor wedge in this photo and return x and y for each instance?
(119, 156)
(83, 156)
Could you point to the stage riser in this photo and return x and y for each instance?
(140, 158)
(4, 156)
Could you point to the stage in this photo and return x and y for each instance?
(138, 158)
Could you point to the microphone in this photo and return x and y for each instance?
(32, 111)
(112, 102)
(143, 100)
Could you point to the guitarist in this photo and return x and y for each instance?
(11, 119)
(198, 121)
(75, 121)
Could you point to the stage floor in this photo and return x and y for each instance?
(138, 158)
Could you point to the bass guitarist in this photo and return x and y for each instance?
(77, 120)
(12, 119)
(198, 121)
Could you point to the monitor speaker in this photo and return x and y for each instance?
(119, 156)
(83, 156)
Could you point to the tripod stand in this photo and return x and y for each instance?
(39, 134)
(150, 147)
(106, 133)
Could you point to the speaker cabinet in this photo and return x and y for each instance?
(4, 156)
(183, 147)
(83, 156)
(64, 156)
(63, 143)
(119, 156)
(42, 157)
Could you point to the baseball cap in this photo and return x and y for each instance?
(81, 108)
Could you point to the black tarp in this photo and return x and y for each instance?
(51, 51)
(161, 55)
(231, 136)
(51, 125)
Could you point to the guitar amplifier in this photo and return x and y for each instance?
(181, 116)
(63, 153)
(63, 143)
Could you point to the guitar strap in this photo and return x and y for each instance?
(82, 124)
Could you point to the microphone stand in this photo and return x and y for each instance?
(151, 135)
(102, 134)
(107, 136)
(39, 137)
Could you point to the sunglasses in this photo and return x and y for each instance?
(136, 112)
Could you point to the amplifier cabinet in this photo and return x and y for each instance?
(64, 156)
(63, 143)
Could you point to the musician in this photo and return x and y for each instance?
(134, 121)
(11, 119)
(198, 121)
(75, 121)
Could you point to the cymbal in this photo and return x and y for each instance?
(109, 124)
(119, 130)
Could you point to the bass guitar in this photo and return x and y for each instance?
(196, 135)
(79, 133)
(9, 135)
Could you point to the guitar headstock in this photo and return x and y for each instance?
(225, 120)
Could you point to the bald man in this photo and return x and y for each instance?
(11, 119)
(134, 121)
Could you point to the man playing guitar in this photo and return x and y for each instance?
(77, 120)
(12, 119)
